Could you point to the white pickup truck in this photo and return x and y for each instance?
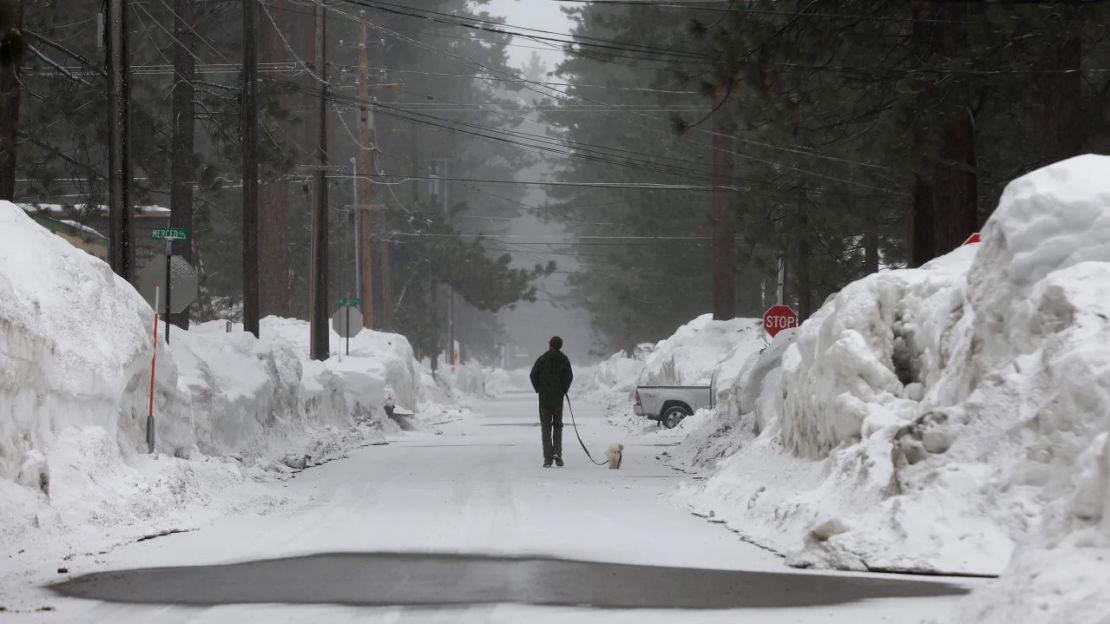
(668, 405)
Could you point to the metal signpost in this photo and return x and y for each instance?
(347, 321)
(170, 271)
(169, 235)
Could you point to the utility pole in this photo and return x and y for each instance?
(358, 222)
(450, 291)
(363, 217)
(248, 133)
(10, 88)
(120, 253)
(181, 170)
(724, 230)
(318, 306)
(385, 270)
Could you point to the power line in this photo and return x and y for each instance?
(504, 29)
(588, 152)
(648, 186)
(563, 96)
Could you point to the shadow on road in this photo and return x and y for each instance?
(425, 580)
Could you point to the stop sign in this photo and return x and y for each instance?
(778, 318)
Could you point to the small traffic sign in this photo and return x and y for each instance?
(974, 238)
(350, 302)
(778, 318)
(169, 234)
(183, 287)
(347, 321)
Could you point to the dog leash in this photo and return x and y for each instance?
(575, 425)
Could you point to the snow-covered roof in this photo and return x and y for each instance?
(149, 210)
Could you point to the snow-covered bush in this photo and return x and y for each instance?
(937, 418)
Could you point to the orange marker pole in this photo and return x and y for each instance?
(153, 363)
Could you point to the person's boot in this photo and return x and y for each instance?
(547, 463)
(558, 461)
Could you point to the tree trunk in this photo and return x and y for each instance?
(275, 288)
(945, 203)
(9, 114)
(871, 243)
(1063, 99)
(871, 249)
(724, 230)
(957, 185)
(922, 222)
(921, 239)
(803, 259)
(181, 167)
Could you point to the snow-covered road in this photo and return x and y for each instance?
(474, 487)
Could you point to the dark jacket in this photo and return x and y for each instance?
(551, 377)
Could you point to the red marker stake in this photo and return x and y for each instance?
(153, 363)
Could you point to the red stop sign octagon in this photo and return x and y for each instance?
(778, 318)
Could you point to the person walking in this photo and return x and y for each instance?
(551, 376)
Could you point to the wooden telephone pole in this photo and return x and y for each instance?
(121, 255)
(363, 214)
(319, 336)
(181, 170)
(248, 133)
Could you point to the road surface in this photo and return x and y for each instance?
(462, 524)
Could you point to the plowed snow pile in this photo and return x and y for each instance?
(938, 418)
(75, 354)
(700, 353)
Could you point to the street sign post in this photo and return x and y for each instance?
(347, 320)
(181, 286)
(778, 318)
(169, 234)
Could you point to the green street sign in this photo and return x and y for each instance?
(350, 302)
(169, 234)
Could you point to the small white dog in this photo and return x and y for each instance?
(615, 454)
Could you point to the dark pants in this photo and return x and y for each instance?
(551, 428)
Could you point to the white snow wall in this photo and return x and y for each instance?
(931, 419)
(75, 353)
(74, 342)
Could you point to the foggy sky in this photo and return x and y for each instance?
(531, 324)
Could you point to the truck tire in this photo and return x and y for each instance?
(674, 415)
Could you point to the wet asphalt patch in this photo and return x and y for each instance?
(430, 580)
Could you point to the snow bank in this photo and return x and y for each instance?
(614, 376)
(378, 363)
(73, 340)
(75, 354)
(472, 379)
(701, 352)
(936, 418)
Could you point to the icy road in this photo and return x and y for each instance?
(463, 525)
